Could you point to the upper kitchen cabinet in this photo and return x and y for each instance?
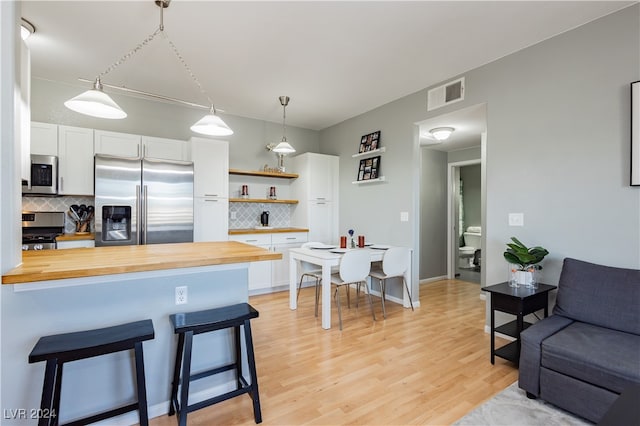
(210, 167)
(165, 149)
(117, 144)
(75, 161)
(44, 138)
(318, 177)
(136, 146)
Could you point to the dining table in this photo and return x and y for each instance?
(328, 256)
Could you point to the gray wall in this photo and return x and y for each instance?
(464, 154)
(557, 150)
(470, 176)
(145, 117)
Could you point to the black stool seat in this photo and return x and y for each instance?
(60, 348)
(186, 325)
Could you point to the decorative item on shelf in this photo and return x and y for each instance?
(264, 218)
(369, 168)
(524, 263)
(272, 193)
(96, 103)
(283, 148)
(370, 142)
(81, 215)
(352, 241)
(244, 191)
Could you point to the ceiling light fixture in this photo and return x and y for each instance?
(96, 103)
(441, 133)
(283, 147)
(26, 29)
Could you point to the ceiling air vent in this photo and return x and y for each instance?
(446, 94)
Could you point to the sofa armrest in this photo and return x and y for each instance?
(530, 351)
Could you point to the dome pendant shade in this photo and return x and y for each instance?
(211, 125)
(96, 103)
(284, 147)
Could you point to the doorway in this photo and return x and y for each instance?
(442, 225)
(464, 243)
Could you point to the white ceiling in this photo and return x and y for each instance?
(334, 59)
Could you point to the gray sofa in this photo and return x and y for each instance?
(587, 352)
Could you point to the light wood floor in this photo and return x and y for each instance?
(430, 366)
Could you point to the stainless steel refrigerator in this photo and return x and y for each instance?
(142, 201)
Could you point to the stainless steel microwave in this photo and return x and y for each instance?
(44, 176)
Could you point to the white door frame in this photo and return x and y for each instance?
(452, 223)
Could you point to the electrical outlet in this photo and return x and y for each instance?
(181, 295)
(233, 214)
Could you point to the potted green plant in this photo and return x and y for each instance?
(526, 261)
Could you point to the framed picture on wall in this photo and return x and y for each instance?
(370, 142)
(369, 168)
(635, 133)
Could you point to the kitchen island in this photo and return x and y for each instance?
(59, 291)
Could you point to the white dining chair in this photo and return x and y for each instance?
(312, 271)
(395, 263)
(354, 269)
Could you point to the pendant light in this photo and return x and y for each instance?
(283, 147)
(96, 103)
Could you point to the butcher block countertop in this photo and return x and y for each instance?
(48, 265)
(76, 237)
(265, 231)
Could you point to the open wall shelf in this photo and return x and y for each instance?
(261, 200)
(263, 174)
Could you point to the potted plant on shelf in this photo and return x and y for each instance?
(525, 261)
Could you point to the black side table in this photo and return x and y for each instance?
(519, 301)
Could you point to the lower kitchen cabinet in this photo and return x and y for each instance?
(271, 274)
(210, 219)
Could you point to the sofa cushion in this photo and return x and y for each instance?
(599, 295)
(607, 358)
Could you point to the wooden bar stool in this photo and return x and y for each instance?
(186, 325)
(60, 348)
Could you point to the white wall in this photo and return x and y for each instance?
(557, 150)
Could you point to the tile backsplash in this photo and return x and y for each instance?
(56, 204)
(248, 215)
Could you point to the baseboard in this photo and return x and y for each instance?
(162, 408)
(433, 279)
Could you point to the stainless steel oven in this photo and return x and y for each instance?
(40, 229)
(44, 176)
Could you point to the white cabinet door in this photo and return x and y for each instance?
(210, 167)
(282, 243)
(323, 174)
(44, 138)
(75, 160)
(322, 226)
(117, 144)
(259, 272)
(210, 219)
(165, 149)
(75, 244)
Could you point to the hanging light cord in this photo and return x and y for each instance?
(284, 126)
(148, 40)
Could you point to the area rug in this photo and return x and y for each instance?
(512, 407)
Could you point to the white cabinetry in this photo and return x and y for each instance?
(210, 189)
(165, 149)
(117, 144)
(75, 161)
(317, 190)
(75, 244)
(44, 138)
(134, 146)
(275, 273)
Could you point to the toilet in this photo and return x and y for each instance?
(472, 238)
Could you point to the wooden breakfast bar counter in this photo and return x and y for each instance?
(61, 291)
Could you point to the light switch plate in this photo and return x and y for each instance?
(404, 216)
(516, 219)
